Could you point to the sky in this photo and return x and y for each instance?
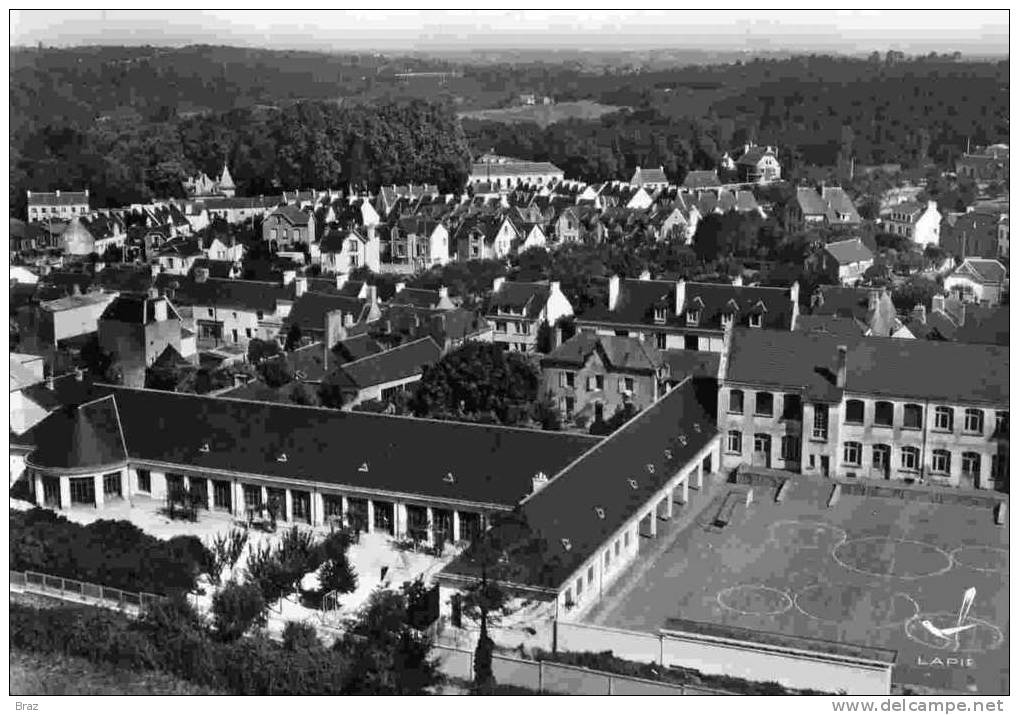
(914, 31)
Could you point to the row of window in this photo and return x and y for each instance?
(884, 413)
(790, 445)
(693, 318)
(520, 328)
(617, 549)
(594, 382)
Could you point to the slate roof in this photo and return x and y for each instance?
(50, 198)
(74, 301)
(219, 292)
(651, 176)
(618, 353)
(308, 363)
(356, 347)
(837, 325)
(518, 295)
(982, 270)
(180, 248)
(810, 202)
(696, 363)
(715, 300)
(20, 376)
(637, 300)
(566, 507)
(170, 358)
(333, 241)
(80, 437)
(515, 168)
(849, 251)
(753, 155)
(309, 310)
(417, 297)
(397, 363)
(839, 204)
(892, 367)
(135, 308)
(991, 328)
(293, 215)
(489, 464)
(701, 180)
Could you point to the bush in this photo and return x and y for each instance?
(236, 608)
(297, 636)
(226, 551)
(109, 553)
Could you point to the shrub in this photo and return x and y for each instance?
(337, 575)
(236, 608)
(226, 551)
(298, 636)
(266, 572)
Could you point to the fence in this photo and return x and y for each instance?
(69, 589)
(545, 676)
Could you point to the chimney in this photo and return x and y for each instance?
(680, 295)
(872, 298)
(938, 303)
(371, 294)
(738, 280)
(932, 205)
(399, 287)
(613, 292)
(341, 280)
(159, 310)
(645, 275)
(840, 376)
(58, 193)
(794, 292)
(77, 289)
(554, 287)
(443, 293)
(79, 374)
(920, 313)
(153, 293)
(300, 285)
(538, 482)
(497, 283)
(201, 274)
(557, 336)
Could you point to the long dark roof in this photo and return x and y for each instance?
(891, 367)
(310, 310)
(488, 464)
(221, 292)
(667, 435)
(518, 295)
(398, 363)
(616, 352)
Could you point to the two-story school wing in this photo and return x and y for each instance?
(866, 407)
(402, 476)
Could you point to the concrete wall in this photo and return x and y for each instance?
(793, 670)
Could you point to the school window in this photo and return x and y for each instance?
(971, 464)
(660, 341)
(792, 408)
(880, 455)
(247, 332)
(144, 480)
(566, 379)
(736, 402)
(943, 418)
(590, 576)
(580, 585)
(941, 461)
(734, 442)
(617, 547)
(852, 453)
(726, 320)
(500, 326)
(1001, 424)
(910, 458)
(974, 421)
(884, 414)
(999, 467)
(820, 431)
(912, 417)
(764, 404)
(111, 484)
(854, 412)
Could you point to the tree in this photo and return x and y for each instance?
(293, 339)
(387, 655)
(300, 636)
(259, 350)
(236, 608)
(275, 372)
(915, 291)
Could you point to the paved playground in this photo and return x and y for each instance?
(873, 571)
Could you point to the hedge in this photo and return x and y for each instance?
(109, 553)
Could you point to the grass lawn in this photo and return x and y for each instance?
(49, 674)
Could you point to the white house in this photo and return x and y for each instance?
(911, 220)
(518, 309)
(345, 251)
(978, 280)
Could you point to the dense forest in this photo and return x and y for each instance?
(306, 144)
(130, 123)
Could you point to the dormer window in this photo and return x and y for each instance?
(448, 479)
(567, 544)
(726, 320)
(661, 313)
(600, 512)
(204, 448)
(755, 320)
(693, 317)
(363, 467)
(632, 483)
(282, 457)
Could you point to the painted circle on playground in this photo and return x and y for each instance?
(754, 600)
(840, 602)
(978, 635)
(989, 559)
(806, 534)
(886, 557)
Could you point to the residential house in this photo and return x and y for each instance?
(590, 377)
(201, 186)
(978, 280)
(701, 180)
(437, 299)
(844, 262)
(343, 251)
(852, 311)
(566, 226)
(831, 207)
(380, 376)
(136, 329)
(985, 165)
(972, 235)
(840, 209)
(72, 316)
(871, 407)
(329, 318)
(759, 165)
(413, 243)
(517, 311)
(223, 248)
(449, 328)
(288, 226)
(956, 320)
(236, 210)
(913, 221)
(485, 237)
(651, 179)
(178, 257)
(57, 205)
(687, 315)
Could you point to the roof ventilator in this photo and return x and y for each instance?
(204, 448)
(600, 512)
(448, 478)
(633, 483)
(567, 545)
(363, 467)
(282, 457)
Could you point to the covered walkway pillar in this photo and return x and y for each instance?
(456, 525)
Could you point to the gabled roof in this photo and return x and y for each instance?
(891, 367)
(518, 295)
(754, 154)
(224, 293)
(417, 297)
(180, 249)
(137, 309)
(89, 436)
(849, 251)
(50, 198)
(293, 215)
(616, 352)
(695, 363)
(839, 205)
(356, 347)
(310, 310)
(170, 359)
(701, 180)
(982, 270)
(588, 501)
(810, 202)
(636, 303)
(333, 241)
(715, 300)
(398, 363)
(650, 176)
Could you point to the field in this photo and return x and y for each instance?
(543, 114)
(868, 571)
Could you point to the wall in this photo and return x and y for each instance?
(374, 392)
(611, 397)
